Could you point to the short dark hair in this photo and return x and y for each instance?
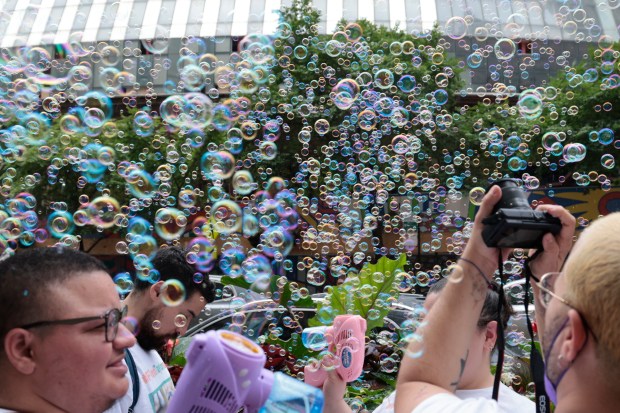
(171, 263)
(26, 278)
(489, 308)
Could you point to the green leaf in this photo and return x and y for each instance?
(364, 294)
(238, 281)
(384, 377)
(178, 353)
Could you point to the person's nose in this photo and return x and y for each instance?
(124, 338)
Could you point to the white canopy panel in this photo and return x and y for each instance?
(41, 22)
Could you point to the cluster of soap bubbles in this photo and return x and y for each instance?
(300, 154)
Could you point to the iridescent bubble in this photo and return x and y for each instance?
(170, 223)
(530, 104)
(574, 152)
(217, 165)
(250, 225)
(124, 283)
(476, 195)
(243, 182)
(606, 136)
(227, 216)
(201, 252)
(172, 293)
(345, 93)
(608, 161)
(231, 261)
(384, 78)
(140, 183)
(406, 83)
(321, 126)
(550, 139)
(276, 240)
(353, 32)
(256, 267)
(103, 211)
(268, 150)
(505, 49)
(60, 223)
(139, 226)
(456, 27)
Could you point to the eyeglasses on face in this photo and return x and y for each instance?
(547, 286)
(112, 319)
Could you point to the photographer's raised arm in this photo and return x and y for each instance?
(441, 353)
(555, 251)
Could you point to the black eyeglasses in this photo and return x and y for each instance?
(112, 318)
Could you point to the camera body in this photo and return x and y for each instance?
(514, 224)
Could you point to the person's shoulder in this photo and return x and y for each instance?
(448, 403)
(511, 401)
(141, 355)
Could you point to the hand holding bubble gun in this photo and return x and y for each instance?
(224, 374)
(345, 341)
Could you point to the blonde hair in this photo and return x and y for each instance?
(593, 280)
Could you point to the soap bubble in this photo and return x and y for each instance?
(172, 293)
(476, 195)
(170, 223)
(574, 152)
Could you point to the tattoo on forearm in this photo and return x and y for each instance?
(454, 384)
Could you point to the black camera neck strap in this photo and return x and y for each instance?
(537, 364)
(500, 330)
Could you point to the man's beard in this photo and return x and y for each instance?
(147, 336)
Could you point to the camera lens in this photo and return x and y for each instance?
(513, 197)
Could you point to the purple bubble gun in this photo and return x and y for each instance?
(224, 374)
(345, 341)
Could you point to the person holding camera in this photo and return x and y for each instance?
(477, 379)
(577, 311)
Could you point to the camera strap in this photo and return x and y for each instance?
(537, 364)
(500, 330)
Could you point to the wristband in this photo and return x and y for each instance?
(484, 277)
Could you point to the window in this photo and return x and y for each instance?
(524, 47)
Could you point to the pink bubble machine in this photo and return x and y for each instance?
(345, 341)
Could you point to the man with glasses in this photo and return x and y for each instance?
(62, 340)
(161, 308)
(578, 313)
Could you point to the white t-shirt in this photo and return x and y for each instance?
(156, 385)
(479, 400)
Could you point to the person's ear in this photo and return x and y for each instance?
(155, 291)
(575, 337)
(490, 335)
(18, 347)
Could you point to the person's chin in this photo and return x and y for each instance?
(119, 388)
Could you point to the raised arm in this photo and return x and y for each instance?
(555, 251)
(441, 352)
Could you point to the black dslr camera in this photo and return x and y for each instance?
(514, 224)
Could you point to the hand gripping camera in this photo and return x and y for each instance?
(224, 374)
(514, 223)
(345, 339)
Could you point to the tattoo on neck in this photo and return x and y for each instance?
(455, 383)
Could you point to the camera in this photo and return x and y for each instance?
(514, 224)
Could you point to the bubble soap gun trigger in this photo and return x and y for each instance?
(346, 339)
(225, 374)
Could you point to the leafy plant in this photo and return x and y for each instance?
(367, 294)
